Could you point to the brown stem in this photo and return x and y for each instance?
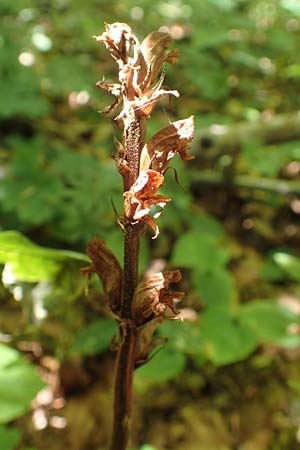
(123, 388)
(134, 139)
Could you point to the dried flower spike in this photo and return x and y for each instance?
(139, 306)
(141, 76)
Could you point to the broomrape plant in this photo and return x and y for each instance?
(138, 307)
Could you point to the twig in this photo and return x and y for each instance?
(282, 187)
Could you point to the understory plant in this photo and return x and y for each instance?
(137, 306)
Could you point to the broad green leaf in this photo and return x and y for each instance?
(183, 336)
(206, 224)
(289, 264)
(8, 356)
(270, 271)
(9, 438)
(165, 364)
(199, 250)
(30, 262)
(94, 338)
(225, 340)
(216, 288)
(19, 383)
(269, 321)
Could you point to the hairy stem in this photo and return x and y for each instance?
(133, 140)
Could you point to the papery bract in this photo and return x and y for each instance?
(152, 297)
(169, 141)
(108, 269)
(143, 194)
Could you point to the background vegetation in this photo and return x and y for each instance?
(229, 376)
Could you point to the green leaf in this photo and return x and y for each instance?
(270, 271)
(9, 438)
(225, 340)
(19, 384)
(206, 224)
(95, 338)
(7, 356)
(183, 336)
(269, 321)
(216, 288)
(203, 251)
(165, 365)
(30, 262)
(289, 264)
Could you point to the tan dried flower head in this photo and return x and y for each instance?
(139, 67)
(141, 74)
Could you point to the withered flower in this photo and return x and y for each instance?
(143, 194)
(139, 66)
(152, 297)
(169, 141)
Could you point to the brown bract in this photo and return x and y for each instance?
(143, 194)
(108, 269)
(169, 141)
(139, 67)
(152, 297)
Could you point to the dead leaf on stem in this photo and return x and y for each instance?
(108, 269)
(152, 297)
(166, 143)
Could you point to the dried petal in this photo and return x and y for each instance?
(108, 269)
(118, 39)
(144, 106)
(170, 140)
(112, 88)
(142, 194)
(153, 49)
(152, 297)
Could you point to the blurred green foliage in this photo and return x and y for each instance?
(239, 62)
(19, 385)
